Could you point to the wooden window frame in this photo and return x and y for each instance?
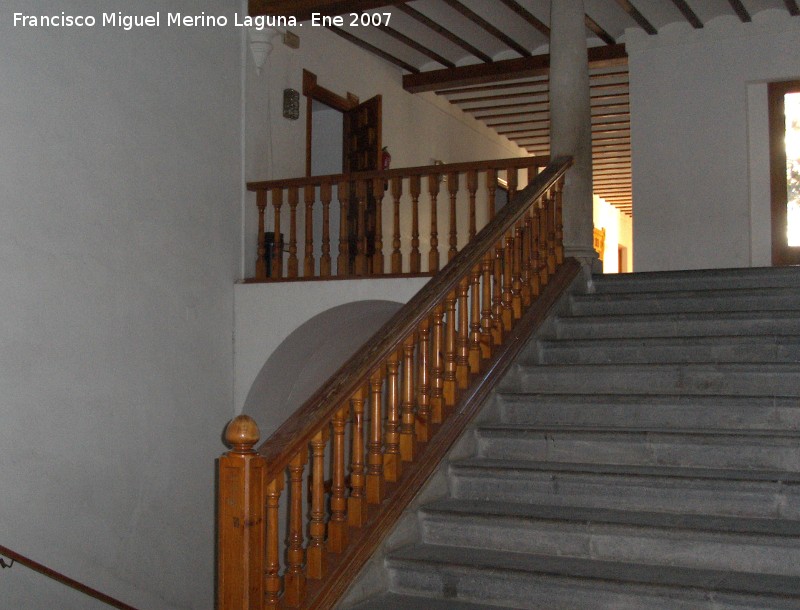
(782, 253)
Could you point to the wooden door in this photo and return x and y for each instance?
(784, 127)
(362, 153)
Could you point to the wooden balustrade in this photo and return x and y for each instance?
(352, 211)
(394, 409)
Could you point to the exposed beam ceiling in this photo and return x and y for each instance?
(523, 67)
(302, 9)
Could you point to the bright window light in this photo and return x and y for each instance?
(792, 106)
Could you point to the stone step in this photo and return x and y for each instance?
(651, 411)
(770, 379)
(709, 279)
(395, 601)
(742, 493)
(521, 580)
(735, 299)
(764, 348)
(701, 541)
(697, 324)
(753, 450)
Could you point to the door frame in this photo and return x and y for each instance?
(313, 91)
(782, 253)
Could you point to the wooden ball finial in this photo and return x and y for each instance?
(242, 433)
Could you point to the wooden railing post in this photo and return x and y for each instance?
(397, 256)
(277, 256)
(241, 519)
(452, 189)
(310, 195)
(415, 258)
(377, 257)
(433, 190)
(325, 195)
(343, 260)
(261, 256)
(292, 264)
(295, 577)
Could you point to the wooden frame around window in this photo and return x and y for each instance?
(782, 253)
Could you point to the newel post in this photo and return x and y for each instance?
(241, 526)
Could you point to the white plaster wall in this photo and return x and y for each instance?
(699, 160)
(120, 182)
(416, 128)
(626, 241)
(266, 314)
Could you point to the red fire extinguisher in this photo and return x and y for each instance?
(386, 158)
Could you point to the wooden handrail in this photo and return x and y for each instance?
(66, 580)
(410, 196)
(410, 391)
(420, 170)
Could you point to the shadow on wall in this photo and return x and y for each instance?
(308, 357)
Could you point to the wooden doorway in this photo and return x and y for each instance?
(361, 142)
(784, 130)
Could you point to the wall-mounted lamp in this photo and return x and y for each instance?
(291, 104)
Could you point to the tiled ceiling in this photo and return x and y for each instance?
(489, 57)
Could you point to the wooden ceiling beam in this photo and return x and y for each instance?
(487, 27)
(791, 6)
(409, 42)
(302, 9)
(688, 13)
(507, 69)
(373, 49)
(431, 24)
(634, 13)
(538, 82)
(598, 31)
(740, 11)
(539, 25)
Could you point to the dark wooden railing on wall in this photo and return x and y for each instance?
(337, 240)
(59, 577)
(399, 403)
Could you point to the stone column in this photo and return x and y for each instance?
(571, 123)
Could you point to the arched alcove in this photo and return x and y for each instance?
(309, 356)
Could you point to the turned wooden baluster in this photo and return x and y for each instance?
(536, 282)
(343, 260)
(357, 502)
(516, 271)
(452, 189)
(277, 246)
(292, 265)
(317, 559)
(475, 321)
(544, 275)
(559, 222)
(526, 258)
(325, 195)
(508, 300)
(377, 258)
(423, 383)
(433, 256)
(491, 193)
(513, 182)
(261, 254)
(294, 581)
(462, 337)
(361, 243)
(486, 311)
(551, 233)
(533, 171)
(272, 567)
(392, 464)
(408, 432)
(449, 377)
(472, 187)
(337, 526)
(437, 366)
(415, 258)
(375, 471)
(397, 256)
(310, 193)
(497, 294)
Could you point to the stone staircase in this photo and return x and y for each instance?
(643, 452)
